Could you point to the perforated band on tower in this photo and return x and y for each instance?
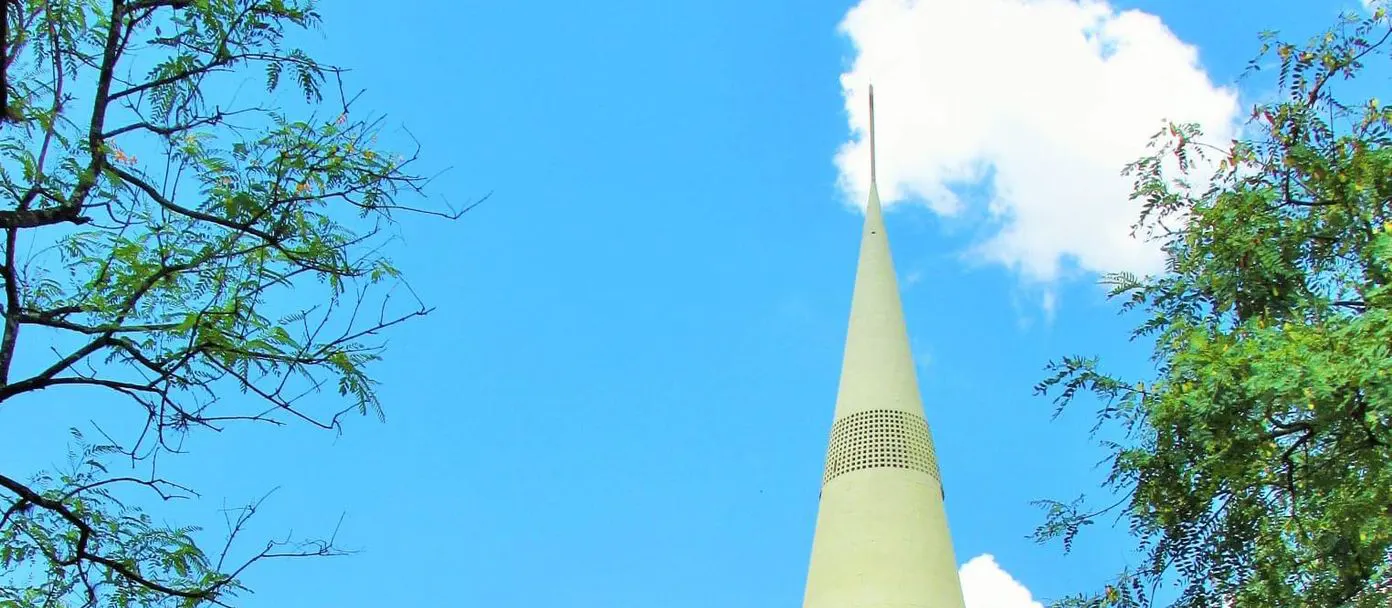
(880, 439)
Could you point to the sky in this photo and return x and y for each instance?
(624, 393)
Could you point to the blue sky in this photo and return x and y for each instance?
(624, 395)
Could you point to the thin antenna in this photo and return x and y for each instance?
(872, 133)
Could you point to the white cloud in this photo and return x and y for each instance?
(1049, 303)
(1044, 101)
(986, 585)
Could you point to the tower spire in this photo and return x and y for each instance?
(882, 537)
(872, 135)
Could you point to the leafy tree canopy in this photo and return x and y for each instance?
(1256, 468)
(193, 246)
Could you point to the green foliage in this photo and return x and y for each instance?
(147, 564)
(189, 250)
(1256, 464)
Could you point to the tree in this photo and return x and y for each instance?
(1255, 466)
(231, 271)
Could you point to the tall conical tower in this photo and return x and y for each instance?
(881, 538)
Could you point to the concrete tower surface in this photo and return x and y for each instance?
(882, 539)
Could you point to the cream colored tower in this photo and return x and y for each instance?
(882, 539)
